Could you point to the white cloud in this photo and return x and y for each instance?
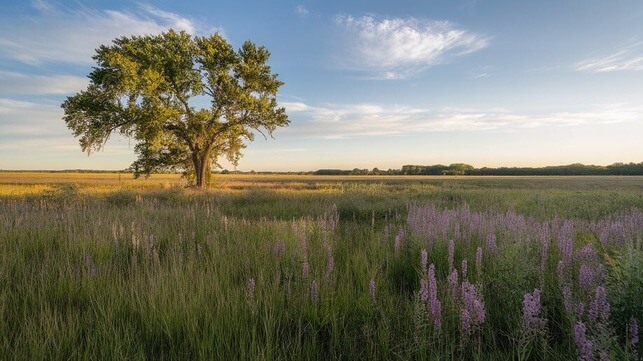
(356, 120)
(301, 10)
(17, 83)
(628, 58)
(63, 35)
(398, 48)
(26, 119)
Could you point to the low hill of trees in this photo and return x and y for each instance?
(466, 169)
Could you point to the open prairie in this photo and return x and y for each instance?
(102, 266)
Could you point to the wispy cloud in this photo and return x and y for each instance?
(301, 10)
(12, 83)
(28, 119)
(344, 121)
(627, 58)
(393, 48)
(57, 34)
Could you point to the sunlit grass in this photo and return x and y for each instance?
(97, 267)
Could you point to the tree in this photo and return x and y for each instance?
(147, 88)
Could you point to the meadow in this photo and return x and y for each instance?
(284, 267)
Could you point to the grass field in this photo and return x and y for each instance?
(102, 266)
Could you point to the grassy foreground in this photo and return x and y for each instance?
(307, 267)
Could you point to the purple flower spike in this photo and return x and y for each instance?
(634, 333)
(451, 253)
(424, 290)
(425, 260)
(585, 277)
(314, 292)
(585, 346)
(599, 308)
(464, 269)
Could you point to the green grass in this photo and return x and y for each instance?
(116, 269)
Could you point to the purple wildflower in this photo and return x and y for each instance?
(466, 321)
(424, 290)
(560, 271)
(464, 269)
(314, 292)
(305, 268)
(330, 264)
(250, 288)
(634, 333)
(453, 284)
(433, 286)
(599, 308)
(531, 307)
(371, 289)
(491, 242)
(279, 249)
(399, 238)
(544, 238)
(588, 254)
(425, 260)
(479, 262)
(585, 352)
(472, 301)
(585, 277)
(451, 253)
(435, 307)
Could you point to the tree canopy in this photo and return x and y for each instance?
(186, 100)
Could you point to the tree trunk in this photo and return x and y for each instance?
(201, 169)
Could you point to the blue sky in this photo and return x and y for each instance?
(367, 83)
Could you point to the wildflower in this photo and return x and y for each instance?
(451, 253)
(531, 307)
(453, 284)
(424, 290)
(305, 268)
(371, 289)
(314, 292)
(599, 308)
(479, 262)
(472, 301)
(585, 277)
(199, 250)
(466, 321)
(585, 346)
(634, 333)
(330, 264)
(425, 260)
(279, 249)
(560, 271)
(250, 288)
(491, 242)
(435, 307)
(464, 269)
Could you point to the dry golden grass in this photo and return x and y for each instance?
(34, 183)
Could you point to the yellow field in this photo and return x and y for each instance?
(33, 183)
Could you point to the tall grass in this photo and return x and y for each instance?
(328, 269)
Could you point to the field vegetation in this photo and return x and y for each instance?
(101, 266)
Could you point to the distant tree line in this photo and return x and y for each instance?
(466, 169)
(437, 169)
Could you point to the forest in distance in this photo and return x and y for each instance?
(576, 169)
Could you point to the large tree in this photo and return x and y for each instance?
(186, 101)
